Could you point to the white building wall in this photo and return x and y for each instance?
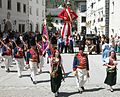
(19, 17)
(33, 18)
(80, 15)
(22, 18)
(114, 18)
(96, 16)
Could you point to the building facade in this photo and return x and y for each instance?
(96, 16)
(13, 15)
(36, 14)
(81, 12)
(114, 27)
(18, 15)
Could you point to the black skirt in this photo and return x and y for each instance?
(56, 81)
(111, 77)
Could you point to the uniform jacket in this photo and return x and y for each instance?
(20, 51)
(76, 62)
(31, 54)
(64, 13)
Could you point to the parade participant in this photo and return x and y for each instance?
(41, 58)
(19, 57)
(81, 69)
(68, 17)
(105, 49)
(33, 61)
(7, 53)
(71, 49)
(111, 69)
(56, 72)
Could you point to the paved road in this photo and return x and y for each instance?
(12, 86)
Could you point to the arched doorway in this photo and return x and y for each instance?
(8, 26)
(37, 27)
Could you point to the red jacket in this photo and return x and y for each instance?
(64, 13)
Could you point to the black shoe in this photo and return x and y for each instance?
(34, 82)
(80, 91)
(8, 70)
(20, 76)
(111, 90)
(58, 92)
(83, 88)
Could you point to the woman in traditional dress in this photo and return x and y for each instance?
(56, 72)
(111, 64)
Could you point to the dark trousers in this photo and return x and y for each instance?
(62, 47)
(66, 48)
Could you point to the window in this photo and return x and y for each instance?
(37, 27)
(101, 19)
(9, 4)
(83, 19)
(18, 7)
(31, 10)
(21, 28)
(0, 3)
(83, 8)
(37, 12)
(83, 30)
(24, 8)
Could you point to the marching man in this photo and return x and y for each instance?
(81, 69)
(19, 57)
(7, 53)
(33, 60)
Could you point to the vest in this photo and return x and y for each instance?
(82, 61)
(8, 52)
(20, 51)
(34, 54)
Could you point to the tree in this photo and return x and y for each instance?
(49, 20)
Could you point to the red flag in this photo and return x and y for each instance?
(45, 39)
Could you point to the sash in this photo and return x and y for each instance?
(69, 15)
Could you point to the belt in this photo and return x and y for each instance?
(67, 22)
(81, 67)
(33, 60)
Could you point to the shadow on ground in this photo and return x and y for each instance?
(67, 94)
